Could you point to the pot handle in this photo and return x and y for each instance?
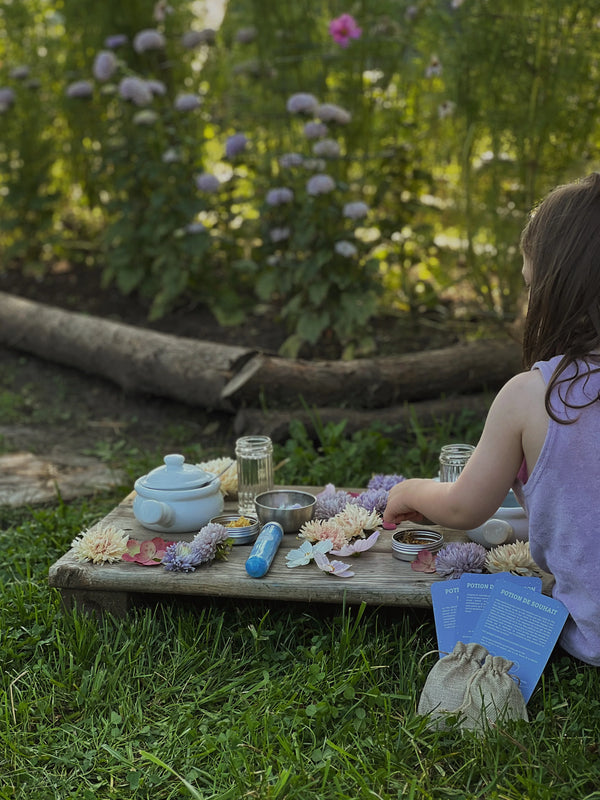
(151, 512)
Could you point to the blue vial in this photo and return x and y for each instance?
(264, 549)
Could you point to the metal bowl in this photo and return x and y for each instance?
(408, 551)
(278, 506)
(244, 534)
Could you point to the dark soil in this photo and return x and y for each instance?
(46, 406)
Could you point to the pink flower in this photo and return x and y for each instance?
(424, 562)
(343, 29)
(333, 567)
(357, 546)
(148, 553)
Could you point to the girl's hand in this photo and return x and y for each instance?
(398, 509)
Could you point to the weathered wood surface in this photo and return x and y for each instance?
(222, 377)
(276, 422)
(380, 579)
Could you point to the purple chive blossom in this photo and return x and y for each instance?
(194, 228)
(356, 210)
(386, 482)
(193, 39)
(372, 500)
(105, 65)
(115, 41)
(345, 249)
(328, 112)
(315, 130)
(20, 73)
(328, 148)
(156, 87)
(330, 502)
(320, 184)
(291, 160)
(279, 196)
(458, 557)
(80, 89)
(187, 102)
(235, 145)
(136, 90)
(279, 234)
(302, 103)
(7, 97)
(207, 182)
(148, 39)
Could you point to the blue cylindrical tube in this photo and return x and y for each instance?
(264, 549)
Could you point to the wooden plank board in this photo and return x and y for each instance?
(379, 579)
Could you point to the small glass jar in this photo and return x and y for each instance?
(453, 458)
(254, 457)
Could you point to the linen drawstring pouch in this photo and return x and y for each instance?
(473, 686)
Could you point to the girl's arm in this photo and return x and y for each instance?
(490, 471)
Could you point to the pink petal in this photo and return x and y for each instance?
(148, 549)
(389, 526)
(424, 562)
(133, 547)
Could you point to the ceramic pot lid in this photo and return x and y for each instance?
(176, 474)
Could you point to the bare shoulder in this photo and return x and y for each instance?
(523, 391)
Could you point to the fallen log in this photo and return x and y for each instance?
(136, 359)
(377, 382)
(222, 377)
(276, 423)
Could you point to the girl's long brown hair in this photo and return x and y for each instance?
(561, 242)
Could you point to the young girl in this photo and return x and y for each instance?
(542, 434)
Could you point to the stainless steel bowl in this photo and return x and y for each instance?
(277, 506)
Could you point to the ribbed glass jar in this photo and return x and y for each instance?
(254, 457)
(453, 458)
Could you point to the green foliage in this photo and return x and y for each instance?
(335, 457)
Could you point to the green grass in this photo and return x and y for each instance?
(223, 699)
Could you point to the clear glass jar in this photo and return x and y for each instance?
(453, 458)
(254, 457)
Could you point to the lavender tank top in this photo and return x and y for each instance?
(562, 498)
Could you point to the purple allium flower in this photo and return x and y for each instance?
(193, 39)
(345, 249)
(279, 196)
(328, 112)
(181, 557)
(80, 89)
(115, 41)
(206, 542)
(20, 72)
(235, 145)
(145, 117)
(302, 103)
(315, 130)
(136, 90)
(372, 500)
(320, 184)
(380, 481)
(194, 228)
(291, 160)
(156, 87)
(328, 148)
(105, 65)
(279, 234)
(458, 557)
(7, 97)
(246, 35)
(207, 182)
(356, 210)
(330, 502)
(148, 39)
(187, 102)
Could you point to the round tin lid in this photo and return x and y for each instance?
(176, 474)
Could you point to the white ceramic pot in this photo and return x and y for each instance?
(509, 524)
(177, 497)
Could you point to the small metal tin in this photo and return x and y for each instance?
(244, 535)
(405, 551)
